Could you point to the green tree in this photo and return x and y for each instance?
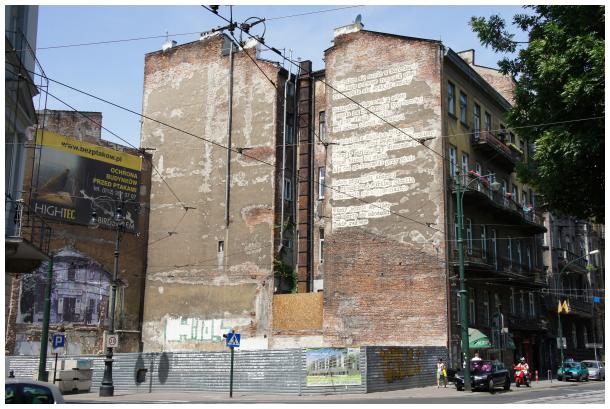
(559, 74)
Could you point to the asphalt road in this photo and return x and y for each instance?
(555, 393)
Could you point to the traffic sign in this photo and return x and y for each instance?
(597, 299)
(233, 339)
(59, 341)
(112, 340)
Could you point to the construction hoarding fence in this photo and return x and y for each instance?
(263, 371)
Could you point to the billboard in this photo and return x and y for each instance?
(74, 178)
(333, 366)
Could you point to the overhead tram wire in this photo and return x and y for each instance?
(122, 139)
(278, 52)
(236, 150)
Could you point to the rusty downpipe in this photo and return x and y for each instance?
(229, 129)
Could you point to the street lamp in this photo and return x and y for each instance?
(559, 329)
(463, 293)
(107, 387)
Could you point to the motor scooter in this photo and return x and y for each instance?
(521, 376)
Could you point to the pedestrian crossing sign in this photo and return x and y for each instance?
(233, 340)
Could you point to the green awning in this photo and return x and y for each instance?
(477, 340)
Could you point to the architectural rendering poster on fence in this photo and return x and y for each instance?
(333, 366)
(74, 178)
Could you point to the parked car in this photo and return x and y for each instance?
(486, 375)
(572, 370)
(596, 369)
(29, 391)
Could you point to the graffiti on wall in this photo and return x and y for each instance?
(399, 363)
(79, 292)
(380, 153)
(183, 329)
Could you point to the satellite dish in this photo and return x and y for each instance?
(358, 19)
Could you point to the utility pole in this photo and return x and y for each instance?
(44, 336)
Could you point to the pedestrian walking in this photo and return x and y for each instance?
(441, 373)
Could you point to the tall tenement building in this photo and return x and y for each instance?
(332, 220)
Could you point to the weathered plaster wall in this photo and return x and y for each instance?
(190, 277)
(98, 246)
(384, 274)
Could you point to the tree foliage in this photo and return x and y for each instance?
(560, 83)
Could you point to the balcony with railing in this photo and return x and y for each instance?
(484, 260)
(27, 238)
(571, 261)
(581, 303)
(478, 189)
(490, 144)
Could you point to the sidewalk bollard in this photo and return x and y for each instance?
(548, 376)
(536, 375)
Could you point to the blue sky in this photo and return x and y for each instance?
(115, 71)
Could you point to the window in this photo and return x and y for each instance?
(221, 246)
(513, 308)
(477, 120)
(494, 248)
(464, 163)
(511, 138)
(497, 303)
(522, 303)
(502, 133)
(532, 306)
(463, 108)
(287, 189)
(36, 394)
(71, 272)
(452, 161)
(487, 122)
(289, 129)
(322, 126)
(469, 236)
(472, 310)
(528, 254)
(321, 181)
(321, 246)
(486, 314)
(516, 194)
(574, 340)
(585, 336)
(509, 252)
(451, 98)
(519, 258)
(483, 243)
(478, 168)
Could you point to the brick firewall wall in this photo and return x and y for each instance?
(382, 292)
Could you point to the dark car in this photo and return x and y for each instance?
(22, 391)
(572, 370)
(485, 375)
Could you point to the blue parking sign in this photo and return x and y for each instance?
(59, 341)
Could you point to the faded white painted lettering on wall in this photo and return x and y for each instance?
(374, 184)
(350, 216)
(378, 81)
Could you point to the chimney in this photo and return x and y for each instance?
(468, 56)
(350, 28)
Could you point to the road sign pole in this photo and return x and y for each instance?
(55, 368)
(231, 374)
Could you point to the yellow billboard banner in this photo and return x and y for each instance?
(88, 150)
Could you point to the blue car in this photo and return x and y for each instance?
(572, 370)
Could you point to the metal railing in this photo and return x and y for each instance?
(24, 224)
(486, 137)
(472, 182)
(567, 257)
(500, 263)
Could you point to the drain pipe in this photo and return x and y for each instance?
(229, 130)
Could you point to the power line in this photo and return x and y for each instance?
(311, 12)
(117, 136)
(236, 150)
(261, 41)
